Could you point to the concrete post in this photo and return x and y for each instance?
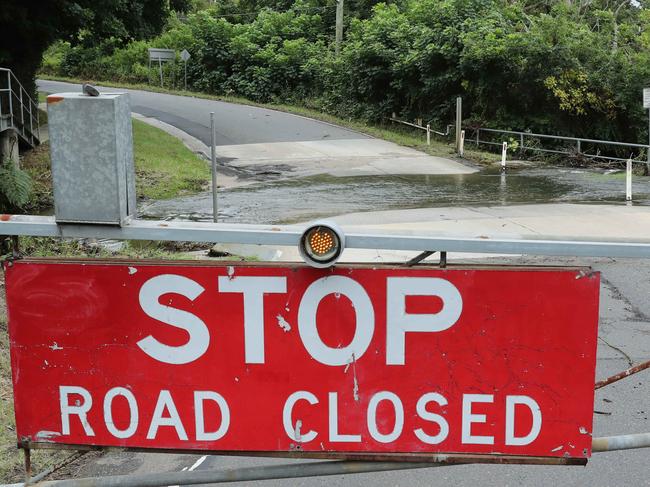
(91, 146)
(461, 148)
(428, 134)
(9, 147)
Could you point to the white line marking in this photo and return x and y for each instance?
(197, 463)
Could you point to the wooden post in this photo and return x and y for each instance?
(504, 151)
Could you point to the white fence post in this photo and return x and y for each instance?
(628, 181)
(504, 150)
(461, 147)
(428, 134)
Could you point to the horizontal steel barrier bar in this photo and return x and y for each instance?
(288, 471)
(621, 442)
(45, 226)
(318, 469)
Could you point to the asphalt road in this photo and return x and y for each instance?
(235, 124)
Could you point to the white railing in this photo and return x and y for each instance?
(576, 147)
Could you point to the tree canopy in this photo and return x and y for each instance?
(28, 27)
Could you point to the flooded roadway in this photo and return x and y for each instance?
(303, 199)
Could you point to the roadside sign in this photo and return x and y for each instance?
(352, 360)
(161, 56)
(646, 97)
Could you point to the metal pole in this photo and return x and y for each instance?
(628, 181)
(478, 130)
(339, 25)
(461, 149)
(11, 107)
(428, 134)
(213, 157)
(621, 442)
(289, 471)
(648, 150)
(185, 75)
(622, 375)
(504, 151)
(160, 69)
(459, 120)
(22, 109)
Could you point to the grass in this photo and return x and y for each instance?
(165, 168)
(394, 133)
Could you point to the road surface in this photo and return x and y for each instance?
(235, 124)
(255, 142)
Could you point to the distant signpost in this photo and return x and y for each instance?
(185, 55)
(161, 56)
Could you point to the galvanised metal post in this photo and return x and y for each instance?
(213, 156)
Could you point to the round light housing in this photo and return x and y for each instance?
(321, 244)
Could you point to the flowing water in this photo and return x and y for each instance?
(293, 200)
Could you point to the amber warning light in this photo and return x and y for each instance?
(321, 244)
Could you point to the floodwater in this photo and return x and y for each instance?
(294, 200)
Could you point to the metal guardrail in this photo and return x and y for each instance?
(426, 128)
(17, 109)
(577, 141)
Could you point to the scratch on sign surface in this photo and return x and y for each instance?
(132, 270)
(46, 435)
(297, 432)
(55, 346)
(231, 272)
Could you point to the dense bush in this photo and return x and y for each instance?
(552, 66)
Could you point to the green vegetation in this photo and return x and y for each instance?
(28, 28)
(573, 68)
(164, 167)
